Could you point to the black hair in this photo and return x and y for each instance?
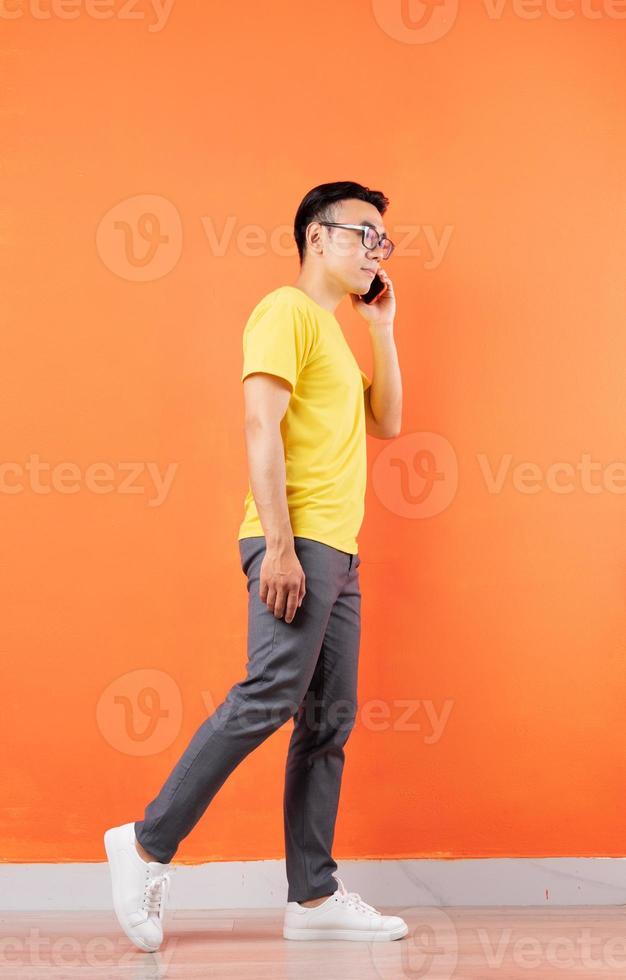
(319, 205)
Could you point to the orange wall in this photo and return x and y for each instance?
(498, 611)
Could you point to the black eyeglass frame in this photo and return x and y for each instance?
(363, 229)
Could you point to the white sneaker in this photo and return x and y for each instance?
(140, 888)
(344, 915)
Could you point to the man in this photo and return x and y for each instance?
(308, 407)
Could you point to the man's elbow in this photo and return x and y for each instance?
(380, 431)
(260, 423)
(391, 425)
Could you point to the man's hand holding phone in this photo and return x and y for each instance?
(381, 310)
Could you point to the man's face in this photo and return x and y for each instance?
(346, 259)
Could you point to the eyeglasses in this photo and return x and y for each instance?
(369, 236)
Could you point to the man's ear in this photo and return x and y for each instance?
(314, 236)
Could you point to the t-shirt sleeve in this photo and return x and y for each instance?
(366, 381)
(276, 340)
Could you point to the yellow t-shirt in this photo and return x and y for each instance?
(323, 430)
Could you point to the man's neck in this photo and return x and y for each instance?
(326, 293)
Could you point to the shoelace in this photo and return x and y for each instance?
(156, 892)
(353, 899)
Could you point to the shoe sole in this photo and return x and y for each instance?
(110, 851)
(358, 935)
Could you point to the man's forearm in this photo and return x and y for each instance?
(386, 387)
(266, 465)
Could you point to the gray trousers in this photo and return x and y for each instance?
(305, 670)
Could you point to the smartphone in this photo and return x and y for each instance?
(376, 290)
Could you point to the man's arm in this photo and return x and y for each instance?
(383, 398)
(282, 584)
(265, 401)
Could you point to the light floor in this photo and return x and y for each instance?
(460, 943)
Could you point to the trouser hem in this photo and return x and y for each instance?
(318, 892)
(160, 856)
